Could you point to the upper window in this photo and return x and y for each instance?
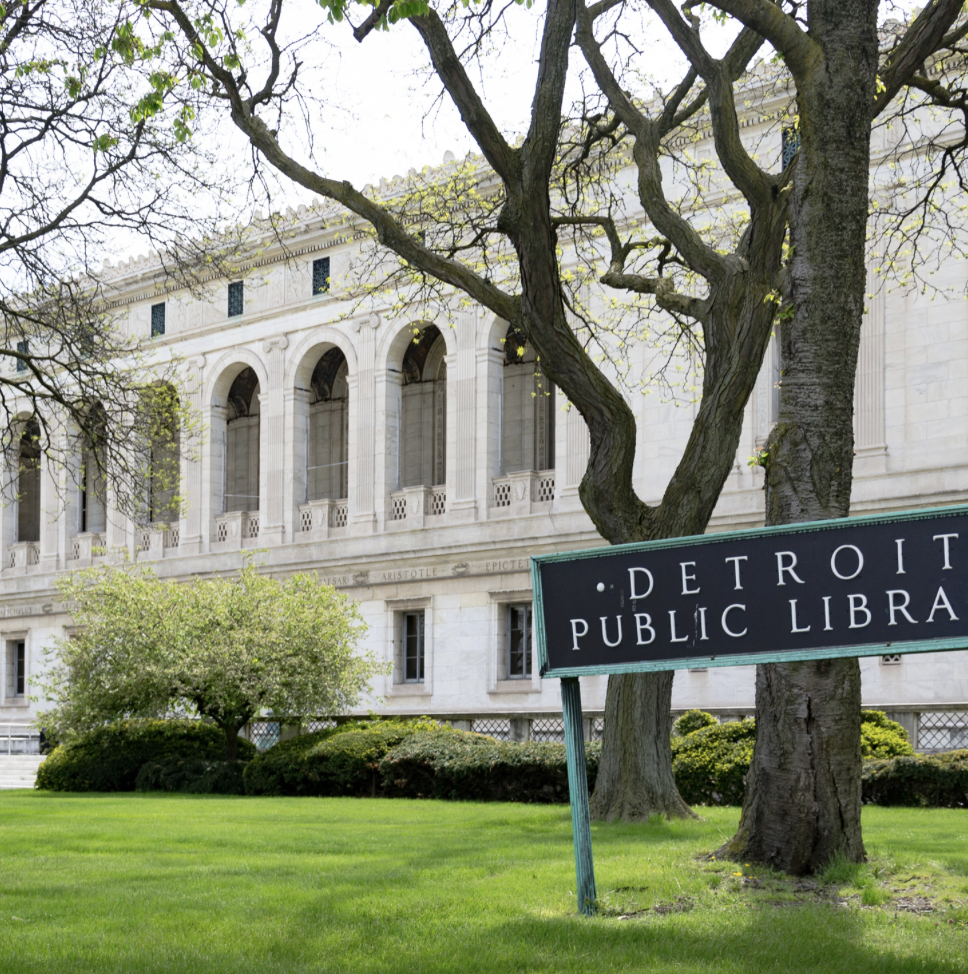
(23, 348)
(321, 275)
(158, 319)
(790, 142)
(518, 641)
(412, 645)
(236, 298)
(16, 668)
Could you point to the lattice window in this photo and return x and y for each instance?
(13, 558)
(545, 488)
(311, 726)
(892, 660)
(23, 348)
(340, 514)
(438, 500)
(306, 519)
(502, 494)
(144, 539)
(943, 731)
(264, 733)
(548, 729)
(157, 320)
(172, 537)
(223, 532)
(75, 550)
(398, 508)
(236, 298)
(33, 554)
(321, 275)
(251, 526)
(500, 729)
(598, 728)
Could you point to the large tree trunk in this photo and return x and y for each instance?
(802, 799)
(635, 775)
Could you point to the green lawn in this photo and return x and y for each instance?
(137, 883)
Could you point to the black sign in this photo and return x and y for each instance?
(854, 587)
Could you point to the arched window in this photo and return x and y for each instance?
(28, 483)
(328, 453)
(423, 426)
(242, 444)
(165, 472)
(528, 427)
(93, 513)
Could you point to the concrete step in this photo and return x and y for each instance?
(19, 770)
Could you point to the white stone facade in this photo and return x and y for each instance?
(419, 477)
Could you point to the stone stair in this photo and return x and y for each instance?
(19, 770)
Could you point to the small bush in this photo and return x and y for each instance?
(472, 767)
(338, 761)
(882, 738)
(710, 764)
(926, 780)
(110, 757)
(692, 720)
(194, 776)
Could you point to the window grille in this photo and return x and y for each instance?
(33, 554)
(144, 542)
(158, 320)
(891, 660)
(264, 733)
(412, 638)
(598, 728)
(398, 508)
(499, 729)
(438, 500)
(321, 275)
(251, 526)
(546, 487)
(340, 514)
(172, 536)
(23, 348)
(517, 643)
(306, 519)
(548, 729)
(12, 559)
(236, 298)
(75, 552)
(223, 531)
(943, 731)
(502, 494)
(311, 726)
(790, 142)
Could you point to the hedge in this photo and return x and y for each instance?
(710, 764)
(473, 767)
(882, 738)
(338, 761)
(193, 776)
(926, 780)
(110, 757)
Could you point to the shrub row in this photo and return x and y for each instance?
(935, 781)
(110, 757)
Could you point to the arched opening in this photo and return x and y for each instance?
(423, 419)
(165, 455)
(327, 463)
(93, 496)
(528, 428)
(242, 444)
(28, 482)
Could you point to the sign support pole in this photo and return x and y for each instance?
(578, 793)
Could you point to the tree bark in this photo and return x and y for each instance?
(231, 740)
(802, 800)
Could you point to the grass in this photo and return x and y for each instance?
(169, 883)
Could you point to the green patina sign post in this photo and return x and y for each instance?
(860, 586)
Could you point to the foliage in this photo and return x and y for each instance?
(882, 738)
(109, 758)
(473, 767)
(193, 776)
(336, 761)
(710, 764)
(927, 780)
(226, 649)
(692, 720)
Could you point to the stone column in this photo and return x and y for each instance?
(462, 416)
(490, 404)
(52, 513)
(192, 532)
(272, 444)
(297, 402)
(367, 428)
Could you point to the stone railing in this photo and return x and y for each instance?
(322, 518)
(156, 538)
(83, 548)
(523, 491)
(23, 556)
(413, 505)
(237, 529)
